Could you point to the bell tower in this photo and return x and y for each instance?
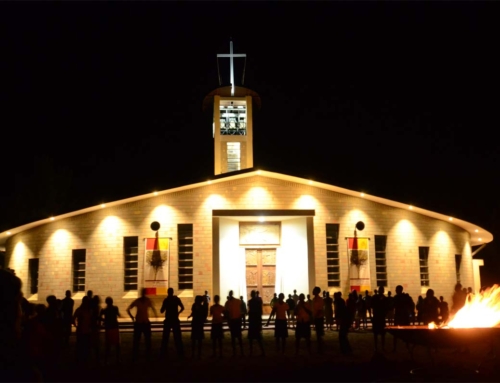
(232, 122)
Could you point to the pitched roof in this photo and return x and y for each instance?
(478, 235)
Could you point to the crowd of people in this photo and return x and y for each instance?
(41, 332)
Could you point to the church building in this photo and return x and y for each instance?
(245, 229)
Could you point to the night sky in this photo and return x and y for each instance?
(101, 101)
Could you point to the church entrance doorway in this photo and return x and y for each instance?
(261, 274)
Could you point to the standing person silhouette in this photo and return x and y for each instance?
(14, 366)
(255, 322)
(403, 311)
(328, 301)
(319, 318)
(95, 304)
(280, 309)
(206, 302)
(142, 325)
(67, 306)
(290, 313)
(379, 306)
(198, 312)
(109, 316)
(303, 328)
(310, 303)
(82, 319)
(172, 307)
(243, 310)
(233, 309)
(342, 318)
(216, 332)
(443, 310)
(274, 299)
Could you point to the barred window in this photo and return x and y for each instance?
(33, 265)
(233, 156)
(185, 246)
(131, 262)
(79, 259)
(381, 260)
(332, 254)
(423, 254)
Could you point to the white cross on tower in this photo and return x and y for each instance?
(231, 55)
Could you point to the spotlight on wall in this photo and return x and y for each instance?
(52, 218)
(155, 226)
(262, 219)
(103, 205)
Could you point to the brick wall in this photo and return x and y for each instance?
(101, 234)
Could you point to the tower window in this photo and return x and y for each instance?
(233, 156)
(233, 118)
(185, 245)
(131, 262)
(79, 261)
(332, 254)
(423, 255)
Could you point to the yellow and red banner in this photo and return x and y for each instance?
(359, 264)
(156, 265)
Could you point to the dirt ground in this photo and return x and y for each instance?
(364, 365)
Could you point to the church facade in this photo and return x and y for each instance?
(246, 229)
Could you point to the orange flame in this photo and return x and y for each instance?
(480, 310)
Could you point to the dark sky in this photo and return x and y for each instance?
(102, 100)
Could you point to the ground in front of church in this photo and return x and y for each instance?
(364, 365)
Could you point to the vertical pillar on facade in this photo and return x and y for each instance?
(310, 253)
(215, 257)
(476, 263)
